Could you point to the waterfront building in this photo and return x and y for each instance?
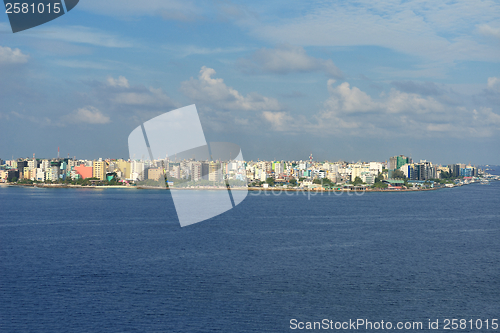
(175, 172)
(40, 175)
(375, 168)
(45, 165)
(155, 173)
(424, 170)
(468, 171)
(84, 171)
(32, 164)
(397, 162)
(408, 170)
(454, 169)
(279, 168)
(124, 167)
(26, 173)
(367, 177)
(74, 175)
(196, 171)
(71, 164)
(358, 169)
(137, 170)
(320, 174)
(54, 173)
(99, 169)
(215, 173)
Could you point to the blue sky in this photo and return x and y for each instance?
(361, 80)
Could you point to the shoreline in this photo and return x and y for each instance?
(253, 189)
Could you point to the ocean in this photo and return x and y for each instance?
(114, 260)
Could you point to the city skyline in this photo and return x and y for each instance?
(219, 170)
(172, 159)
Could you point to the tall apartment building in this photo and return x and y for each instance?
(45, 164)
(196, 171)
(279, 168)
(124, 167)
(423, 170)
(176, 171)
(155, 173)
(32, 164)
(454, 169)
(40, 175)
(358, 169)
(397, 162)
(99, 169)
(137, 170)
(214, 172)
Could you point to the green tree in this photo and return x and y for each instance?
(270, 181)
(398, 174)
(357, 181)
(292, 181)
(327, 181)
(446, 175)
(379, 178)
(379, 185)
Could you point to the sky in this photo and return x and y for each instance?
(351, 81)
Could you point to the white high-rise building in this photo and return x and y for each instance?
(32, 164)
(196, 171)
(137, 170)
(376, 167)
(40, 175)
(45, 165)
(279, 168)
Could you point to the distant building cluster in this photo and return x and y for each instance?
(52, 170)
(302, 173)
(425, 170)
(307, 171)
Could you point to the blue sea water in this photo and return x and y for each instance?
(82, 260)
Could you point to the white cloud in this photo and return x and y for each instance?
(488, 31)
(286, 58)
(401, 102)
(344, 99)
(280, 121)
(12, 56)
(350, 111)
(487, 116)
(121, 81)
(432, 30)
(88, 115)
(214, 93)
(121, 97)
(84, 35)
(493, 82)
